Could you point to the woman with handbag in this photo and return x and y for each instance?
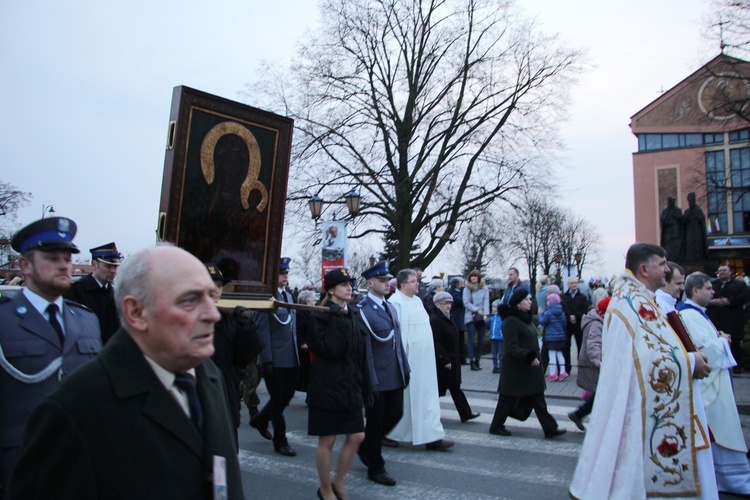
(522, 383)
(477, 305)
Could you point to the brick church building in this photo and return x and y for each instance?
(695, 138)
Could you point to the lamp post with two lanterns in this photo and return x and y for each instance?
(572, 268)
(334, 250)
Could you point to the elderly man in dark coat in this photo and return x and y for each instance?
(147, 418)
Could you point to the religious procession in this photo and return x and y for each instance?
(216, 342)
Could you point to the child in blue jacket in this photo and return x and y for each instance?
(495, 326)
(554, 321)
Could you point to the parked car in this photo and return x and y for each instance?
(9, 290)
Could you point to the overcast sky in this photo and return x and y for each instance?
(85, 94)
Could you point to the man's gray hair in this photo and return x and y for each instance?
(403, 276)
(134, 278)
(455, 281)
(695, 280)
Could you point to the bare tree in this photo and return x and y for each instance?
(481, 239)
(579, 242)
(432, 109)
(537, 224)
(11, 199)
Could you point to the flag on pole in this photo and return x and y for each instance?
(717, 226)
(708, 226)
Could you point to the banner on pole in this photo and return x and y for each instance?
(334, 246)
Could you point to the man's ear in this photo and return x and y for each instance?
(134, 312)
(24, 265)
(643, 270)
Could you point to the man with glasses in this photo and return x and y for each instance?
(421, 421)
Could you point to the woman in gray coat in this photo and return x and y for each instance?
(522, 379)
(477, 305)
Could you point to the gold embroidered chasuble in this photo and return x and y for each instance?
(644, 435)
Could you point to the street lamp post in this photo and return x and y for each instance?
(578, 256)
(47, 209)
(333, 256)
(558, 261)
(352, 199)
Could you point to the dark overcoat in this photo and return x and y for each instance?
(100, 300)
(730, 319)
(518, 377)
(30, 344)
(236, 343)
(111, 430)
(445, 336)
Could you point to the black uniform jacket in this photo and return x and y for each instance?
(100, 300)
(111, 430)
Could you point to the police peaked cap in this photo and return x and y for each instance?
(52, 233)
(106, 253)
(379, 270)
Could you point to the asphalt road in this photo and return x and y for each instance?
(480, 465)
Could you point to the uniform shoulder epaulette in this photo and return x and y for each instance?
(78, 304)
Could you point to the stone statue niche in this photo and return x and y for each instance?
(695, 239)
(671, 230)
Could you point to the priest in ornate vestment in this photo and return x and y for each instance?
(646, 437)
(728, 443)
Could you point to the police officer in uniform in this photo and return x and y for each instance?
(43, 337)
(388, 370)
(96, 291)
(280, 363)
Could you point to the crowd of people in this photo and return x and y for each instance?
(136, 364)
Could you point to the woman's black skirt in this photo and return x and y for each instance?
(327, 423)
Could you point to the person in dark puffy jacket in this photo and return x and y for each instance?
(553, 320)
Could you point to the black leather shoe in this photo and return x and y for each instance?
(474, 367)
(390, 443)
(382, 478)
(554, 433)
(440, 445)
(500, 431)
(471, 416)
(286, 450)
(262, 429)
(576, 420)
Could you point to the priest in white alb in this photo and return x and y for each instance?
(421, 421)
(728, 443)
(645, 438)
